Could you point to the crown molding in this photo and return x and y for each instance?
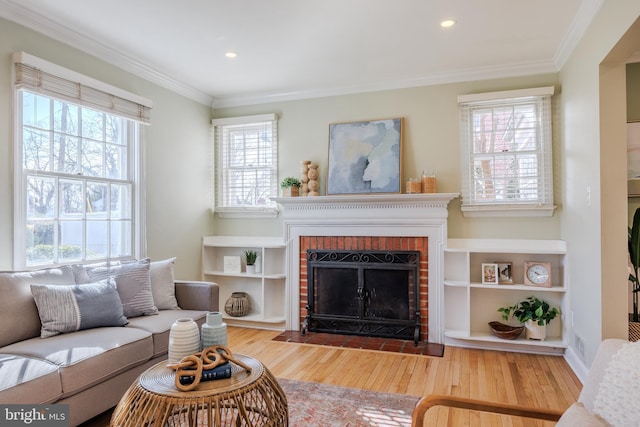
(587, 11)
(527, 68)
(13, 11)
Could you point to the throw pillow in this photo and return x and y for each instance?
(163, 285)
(615, 401)
(134, 286)
(72, 308)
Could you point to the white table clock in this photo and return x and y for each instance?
(537, 273)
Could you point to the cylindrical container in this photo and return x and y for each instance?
(428, 182)
(412, 186)
(533, 331)
(214, 330)
(237, 305)
(184, 339)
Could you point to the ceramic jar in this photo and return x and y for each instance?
(237, 305)
(214, 330)
(533, 331)
(184, 339)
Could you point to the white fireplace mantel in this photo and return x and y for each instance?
(368, 215)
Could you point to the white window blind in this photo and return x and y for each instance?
(246, 164)
(37, 76)
(506, 153)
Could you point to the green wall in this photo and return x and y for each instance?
(430, 141)
(178, 152)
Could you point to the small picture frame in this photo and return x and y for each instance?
(232, 265)
(489, 274)
(505, 273)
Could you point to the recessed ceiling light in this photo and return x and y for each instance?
(448, 23)
(230, 54)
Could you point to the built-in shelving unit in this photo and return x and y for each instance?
(265, 288)
(469, 305)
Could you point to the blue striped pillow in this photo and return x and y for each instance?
(71, 308)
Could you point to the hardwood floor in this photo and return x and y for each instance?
(533, 380)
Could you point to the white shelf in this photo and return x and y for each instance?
(255, 276)
(266, 289)
(516, 287)
(470, 305)
(507, 246)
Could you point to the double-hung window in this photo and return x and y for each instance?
(246, 165)
(506, 153)
(77, 176)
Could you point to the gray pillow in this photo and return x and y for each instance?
(163, 284)
(64, 309)
(134, 286)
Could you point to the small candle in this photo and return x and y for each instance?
(428, 182)
(412, 186)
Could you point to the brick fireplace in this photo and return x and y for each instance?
(418, 221)
(375, 243)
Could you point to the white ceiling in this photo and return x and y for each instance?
(292, 49)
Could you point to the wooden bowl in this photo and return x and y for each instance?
(505, 331)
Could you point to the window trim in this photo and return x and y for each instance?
(245, 212)
(136, 160)
(499, 208)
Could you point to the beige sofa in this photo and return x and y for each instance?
(89, 369)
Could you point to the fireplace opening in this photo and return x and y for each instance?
(371, 293)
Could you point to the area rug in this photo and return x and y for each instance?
(366, 343)
(321, 405)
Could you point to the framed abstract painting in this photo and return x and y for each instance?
(365, 157)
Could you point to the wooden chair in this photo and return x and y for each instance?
(578, 414)
(432, 400)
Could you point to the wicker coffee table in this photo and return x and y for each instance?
(246, 399)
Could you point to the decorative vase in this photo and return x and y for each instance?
(237, 305)
(251, 269)
(533, 331)
(214, 330)
(184, 339)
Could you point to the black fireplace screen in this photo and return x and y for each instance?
(372, 293)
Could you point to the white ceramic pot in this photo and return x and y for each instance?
(251, 269)
(214, 331)
(184, 339)
(533, 331)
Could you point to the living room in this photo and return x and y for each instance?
(589, 153)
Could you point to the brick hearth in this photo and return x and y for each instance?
(370, 243)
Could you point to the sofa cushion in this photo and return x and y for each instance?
(64, 309)
(134, 286)
(160, 326)
(163, 285)
(28, 380)
(91, 356)
(615, 401)
(20, 318)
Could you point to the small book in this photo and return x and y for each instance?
(219, 372)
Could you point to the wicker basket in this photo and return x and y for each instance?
(237, 305)
(505, 331)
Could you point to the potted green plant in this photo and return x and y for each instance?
(250, 257)
(534, 313)
(290, 186)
